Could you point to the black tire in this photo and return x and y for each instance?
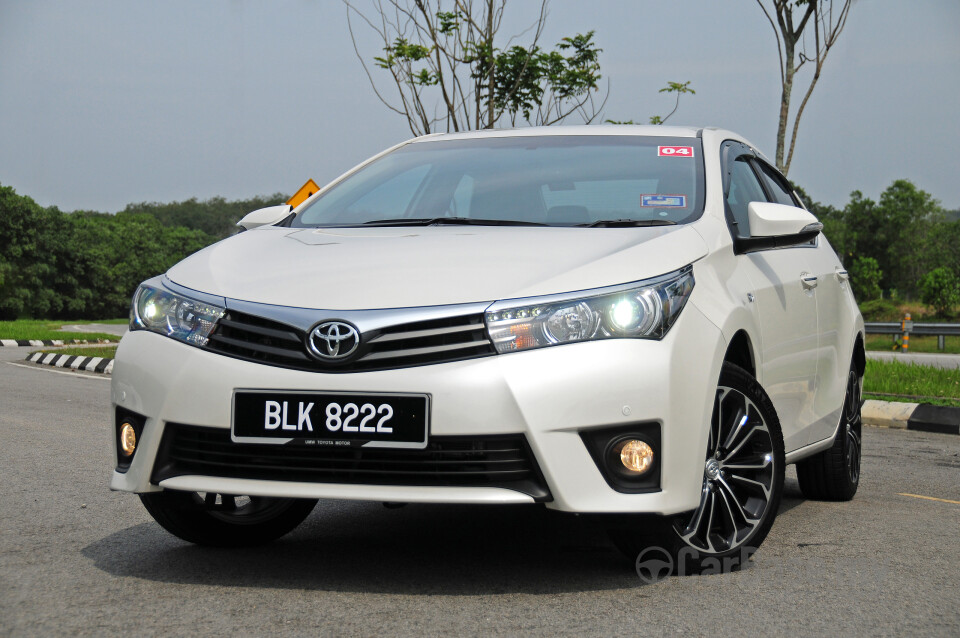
(223, 520)
(834, 474)
(745, 463)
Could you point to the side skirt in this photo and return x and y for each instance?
(809, 450)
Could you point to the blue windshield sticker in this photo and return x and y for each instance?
(663, 201)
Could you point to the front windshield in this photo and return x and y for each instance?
(556, 180)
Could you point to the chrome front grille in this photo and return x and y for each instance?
(415, 343)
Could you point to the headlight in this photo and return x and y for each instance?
(643, 310)
(172, 315)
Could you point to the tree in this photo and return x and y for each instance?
(865, 277)
(672, 87)
(796, 46)
(834, 226)
(912, 218)
(940, 289)
(905, 231)
(216, 216)
(448, 72)
(81, 265)
(25, 265)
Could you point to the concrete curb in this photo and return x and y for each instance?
(921, 417)
(73, 362)
(36, 343)
(887, 414)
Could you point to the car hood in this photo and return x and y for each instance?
(368, 268)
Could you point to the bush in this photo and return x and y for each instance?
(880, 310)
(81, 265)
(940, 289)
(865, 278)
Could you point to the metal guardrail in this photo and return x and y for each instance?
(896, 328)
(902, 330)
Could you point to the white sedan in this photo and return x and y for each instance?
(642, 323)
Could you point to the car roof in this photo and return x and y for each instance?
(595, 129)
(538, 131)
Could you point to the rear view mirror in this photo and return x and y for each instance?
(264, 216)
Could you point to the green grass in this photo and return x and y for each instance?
(917, 344)
(48, 329)
(107, 352)
(897, 381)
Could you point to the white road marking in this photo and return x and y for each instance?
(69, 374)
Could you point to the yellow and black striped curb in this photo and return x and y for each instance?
(921, 417)
(73, 362)
(36, 343)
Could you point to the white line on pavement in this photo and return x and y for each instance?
(69, 374)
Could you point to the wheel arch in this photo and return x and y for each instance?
(859, 354)
(740, 352)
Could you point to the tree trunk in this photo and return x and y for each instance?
(786, 90)
(490, 77)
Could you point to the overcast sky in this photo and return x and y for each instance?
(103, 103)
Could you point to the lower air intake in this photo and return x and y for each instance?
(504, 461)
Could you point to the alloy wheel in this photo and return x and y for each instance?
(738, 480)
(853, 426)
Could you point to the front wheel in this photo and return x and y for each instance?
(225, 520)
(742, 484)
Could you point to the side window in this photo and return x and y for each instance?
(744, 188)
(777, 186)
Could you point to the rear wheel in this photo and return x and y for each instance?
(834, 474)
(225, 520)
(740, 493)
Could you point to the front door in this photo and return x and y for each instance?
(784, 301)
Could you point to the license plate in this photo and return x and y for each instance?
(331, 418)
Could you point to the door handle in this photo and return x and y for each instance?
(809, 281)
(842, 275)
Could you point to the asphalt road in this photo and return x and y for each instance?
(78, 559)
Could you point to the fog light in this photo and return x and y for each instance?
(636, 456)
(128, 439)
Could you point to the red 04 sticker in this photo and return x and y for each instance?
(674, 151)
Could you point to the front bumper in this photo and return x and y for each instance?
(549, 395)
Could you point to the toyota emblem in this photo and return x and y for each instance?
(333, 340)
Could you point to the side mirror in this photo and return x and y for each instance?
(777, 226)
(264, 216)
(772, 220)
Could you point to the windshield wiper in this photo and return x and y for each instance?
(628, 223)
(448, 221)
